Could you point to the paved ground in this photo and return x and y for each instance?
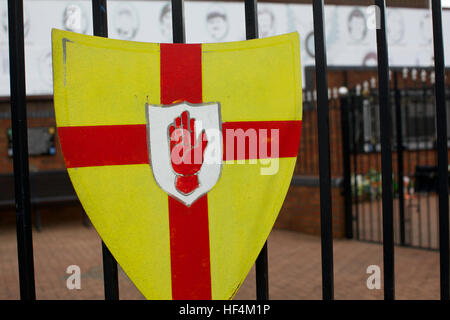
(294, 267)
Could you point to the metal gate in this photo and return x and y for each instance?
(20, 148)
(415, 178)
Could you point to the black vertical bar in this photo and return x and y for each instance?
(408, 132)
(365, 98)
(311, 123)
(316, 138)
(417, 153)
(355, 103)
(347, 184)
(312, 135)
(386, 154)
(426, 149)
(369, 156)
(400, 171)
(337, 107)
(324, 151)
(375, 101)
(20, 149)
(261, 265)
(434, 158)
(262, 274)
(110, 273)
(441, 121)
(251, 19)
(372, 157)
(100, 18)
(178, 31)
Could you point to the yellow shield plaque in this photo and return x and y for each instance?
(181, 154)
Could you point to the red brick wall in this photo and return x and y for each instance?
(301, 211)
(308, 157)
(308, 160)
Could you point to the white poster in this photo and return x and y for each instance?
(350, 42)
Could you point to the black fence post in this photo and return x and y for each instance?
(426, 128)
(356, 101)
(324, 151)
(261, 264)
(110, 272)
(251, 19)
(100, 18)
(178, 31)
(347, 184)
(442, 152)
(400, 172)
(262, 274)
(386, 154)
(20, 149)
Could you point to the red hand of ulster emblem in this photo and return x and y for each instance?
(186, 152)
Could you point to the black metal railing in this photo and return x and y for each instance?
(19, 129)
(262, 264)
(110, 271)
(414, 143)
(441, 118)
(20, 150)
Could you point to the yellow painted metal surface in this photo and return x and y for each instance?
(255, 79)
(102, 82)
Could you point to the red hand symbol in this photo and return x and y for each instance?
(186, 152)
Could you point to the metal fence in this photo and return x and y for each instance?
(414, 141)
(20, 147)
(308, 164)
(354, 115)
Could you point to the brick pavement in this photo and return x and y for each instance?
(294, 267)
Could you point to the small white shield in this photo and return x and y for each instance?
(185, 148)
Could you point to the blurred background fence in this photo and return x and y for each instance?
(415, 179)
